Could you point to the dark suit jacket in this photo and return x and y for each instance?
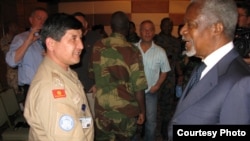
(222, 96)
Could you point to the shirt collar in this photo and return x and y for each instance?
(212, 59)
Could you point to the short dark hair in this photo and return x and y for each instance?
(120, 22)
(244, 6)
(165, 21)
(57, 24)
(131, 24)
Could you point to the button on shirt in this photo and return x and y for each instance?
(155, 61)
(27, 67)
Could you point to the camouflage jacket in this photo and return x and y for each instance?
(117, 67)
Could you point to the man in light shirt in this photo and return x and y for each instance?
(26, 50)
(156, 66)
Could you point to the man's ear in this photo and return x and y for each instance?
(50, 43)
(218, 28)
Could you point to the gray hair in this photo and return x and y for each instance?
(223, 11)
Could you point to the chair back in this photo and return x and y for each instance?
(8, 132)
(11, 106)
(9, 100)
(3, 115)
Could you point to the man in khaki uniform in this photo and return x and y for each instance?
(56, 107)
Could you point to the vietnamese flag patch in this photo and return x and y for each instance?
(59, 93)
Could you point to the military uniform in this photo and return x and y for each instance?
(167, 100)
(133, 37)
(188, 64)
(56, 107)
(12, 78)
(118, 71)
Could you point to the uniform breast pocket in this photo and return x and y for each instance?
(67, 123)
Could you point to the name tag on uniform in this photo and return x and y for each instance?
(86, 122)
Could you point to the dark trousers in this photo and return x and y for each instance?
(25, 89)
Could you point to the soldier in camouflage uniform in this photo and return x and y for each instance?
(187, 65)
(132, 35)
(5, 41)
(116, 66)
(172, 46)
(11, 73)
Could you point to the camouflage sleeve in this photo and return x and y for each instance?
(138, 78)
(93, 59)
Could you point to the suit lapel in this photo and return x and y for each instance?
(210, 80)
(197, 92)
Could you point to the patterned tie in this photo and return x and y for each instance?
(196, 76)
